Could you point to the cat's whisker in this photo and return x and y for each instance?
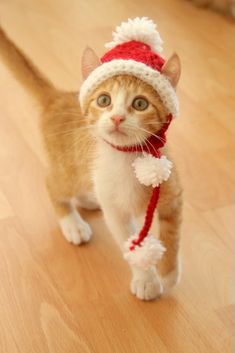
(145, 143)
(148, 142)
(61, 133)
(152, 134)
(70, 131)
(153, 123)
(80, 118)
(77, 111)
(141, 148)
(71, 124)
(73, 147)
(139, 143)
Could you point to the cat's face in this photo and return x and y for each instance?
(124, 111)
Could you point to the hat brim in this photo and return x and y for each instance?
(154, 78)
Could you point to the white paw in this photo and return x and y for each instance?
(74, 229)
(172, 278)
(146, 285)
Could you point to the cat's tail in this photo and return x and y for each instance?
(25, 71)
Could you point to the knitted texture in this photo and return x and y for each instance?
(148, 219)
(151, 171)
(131, 67)
(138, 51)
(139, 29)
(144, 256)
(134, 51)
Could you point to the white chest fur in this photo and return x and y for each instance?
(115, 180)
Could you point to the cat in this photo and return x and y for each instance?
(84, 169)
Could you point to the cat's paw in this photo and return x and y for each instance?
(145, 289)
(74, 229)
(146, 285)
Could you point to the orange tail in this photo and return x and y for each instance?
(24, 70)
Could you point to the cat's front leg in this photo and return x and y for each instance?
(73, 227)
(170, 215)
(120, 222)
(145, 285)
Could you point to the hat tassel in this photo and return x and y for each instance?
(145, 250)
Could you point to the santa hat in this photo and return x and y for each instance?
(135, 50)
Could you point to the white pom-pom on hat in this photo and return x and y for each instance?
(140, 29)
(150, 170)
(135, 51)
(144, 255)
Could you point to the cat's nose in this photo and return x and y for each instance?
(117, 119)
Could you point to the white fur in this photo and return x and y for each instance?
(146, 255)
(75, 229)
(139, 29)
(145, 73)
(146, 285)
(115, 181)
(121, 197)
(152, 171)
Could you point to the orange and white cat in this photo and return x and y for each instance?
(85, 170)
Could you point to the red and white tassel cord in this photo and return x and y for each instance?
(144, 250)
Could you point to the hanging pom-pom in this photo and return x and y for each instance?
(150, 170)
(139, 29)
(144, 255)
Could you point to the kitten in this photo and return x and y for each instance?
(83, 168)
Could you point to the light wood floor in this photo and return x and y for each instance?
(57, 298)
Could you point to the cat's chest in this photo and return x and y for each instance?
(115, 179)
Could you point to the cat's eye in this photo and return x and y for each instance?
(104, 100)
(140, 103)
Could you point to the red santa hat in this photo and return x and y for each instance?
(135, 50)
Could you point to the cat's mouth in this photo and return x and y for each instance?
(119, 137)
(117, 132)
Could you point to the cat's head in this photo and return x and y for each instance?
(123, 109)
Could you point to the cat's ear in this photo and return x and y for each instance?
(172, 69)
(90, 62)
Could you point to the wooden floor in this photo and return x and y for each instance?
(57, 298)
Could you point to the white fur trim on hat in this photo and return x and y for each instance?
(145, 255)
(150, 170)
(131, 67)
(139, 29)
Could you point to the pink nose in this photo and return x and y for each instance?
(117, 119)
